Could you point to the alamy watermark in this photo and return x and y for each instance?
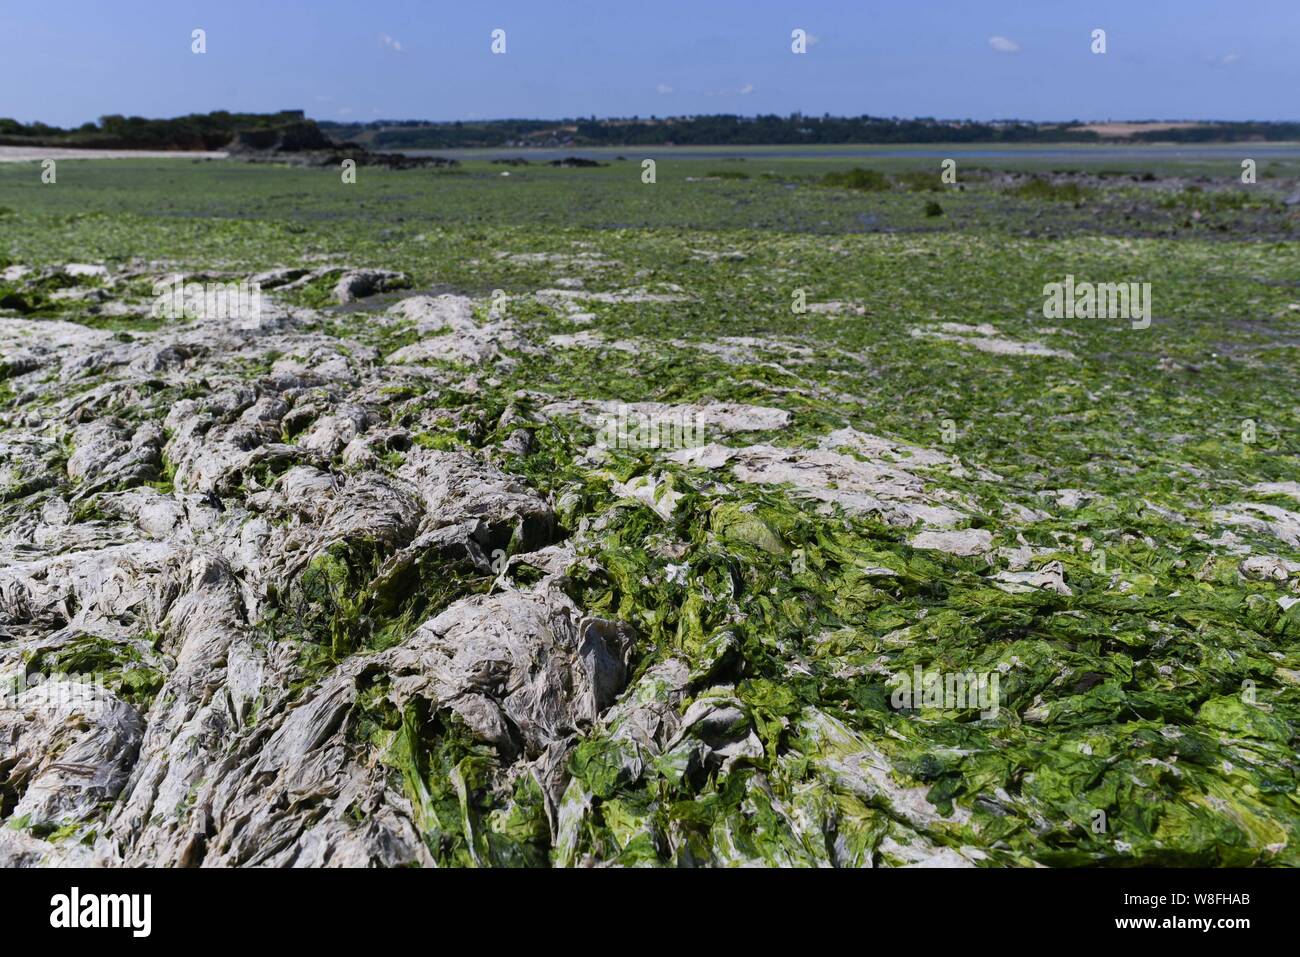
(1103, 300)
(174, 298)
(630, 428)
(946, 690)
(60, 690)
(73, 910)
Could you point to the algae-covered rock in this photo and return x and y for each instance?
(362, 283)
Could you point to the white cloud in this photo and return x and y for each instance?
(345, 111)
(812, 40)
(742, 91)
(663, 88)
(1004, 45)
(1228, 59)
(389, 42)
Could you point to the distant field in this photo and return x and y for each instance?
(1128, 129)
(780, 194)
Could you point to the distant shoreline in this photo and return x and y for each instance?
(863, 151)
(1257, 150)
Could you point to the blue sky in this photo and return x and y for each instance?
(76, 60)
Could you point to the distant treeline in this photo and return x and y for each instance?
(729, 130)
(209, 131)
(1222, 132)
(198, 131)
(721, 130)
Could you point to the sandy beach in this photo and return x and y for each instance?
(27, 154)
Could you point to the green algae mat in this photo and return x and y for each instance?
(762, 513)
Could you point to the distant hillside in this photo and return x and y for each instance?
(720, 130)
(209, 131)
(728, 130)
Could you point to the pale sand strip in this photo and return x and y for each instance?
(26, 154)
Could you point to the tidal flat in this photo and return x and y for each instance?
(566, 518)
